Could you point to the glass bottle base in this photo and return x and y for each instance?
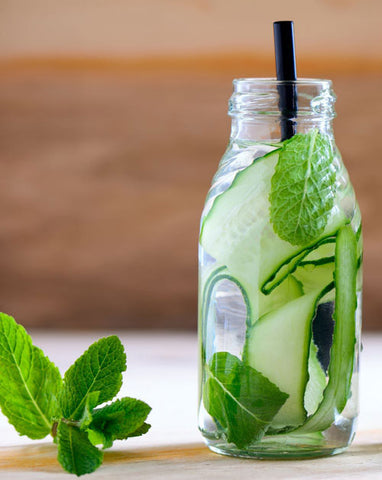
(288, 447)
(269, 452)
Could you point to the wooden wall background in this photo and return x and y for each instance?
(103, 178)
(105, 160)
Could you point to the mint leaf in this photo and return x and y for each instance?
(106, 439)
(240, 399)
(99, 369)
(99, 438)
(75, 452)
(87, 415)
(144, 428)
(303, 188)
(121, 419)
(96, 438)
(29, 382)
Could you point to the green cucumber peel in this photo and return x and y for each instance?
(208, 295)
(289, 265)
(342, 351)
(317, 263)
(219, 274)
(209, 288)
(207, 283)
(358, 233)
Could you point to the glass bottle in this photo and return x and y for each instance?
(280, 277)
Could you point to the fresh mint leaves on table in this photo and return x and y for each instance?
(303, 188)
(38, 402)
(240, 398)
(30, 384)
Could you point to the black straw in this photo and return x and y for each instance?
(286, 71)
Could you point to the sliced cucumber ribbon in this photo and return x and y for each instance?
(342, 352)
(290, 264)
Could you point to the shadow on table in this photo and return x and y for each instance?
(43, 456)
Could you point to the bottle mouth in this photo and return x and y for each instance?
(248, 84)
(260, 96)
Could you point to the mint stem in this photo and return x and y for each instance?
(72, 423)
(54, 429)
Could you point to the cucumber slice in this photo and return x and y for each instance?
(314, 276)
(278, 347)
(316, 384)
(232, 229)
(342, 352)
(290, 289)
(290, 264)
(321, 255)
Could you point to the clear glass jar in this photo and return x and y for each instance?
(280, 278)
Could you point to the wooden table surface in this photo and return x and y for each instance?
(162, 370)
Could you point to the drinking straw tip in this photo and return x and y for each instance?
(286, 72)
(284, 50)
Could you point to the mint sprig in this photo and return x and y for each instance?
(38, 402)
(303, 188)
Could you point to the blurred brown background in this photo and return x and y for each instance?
(112, 122)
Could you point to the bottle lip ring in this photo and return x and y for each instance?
(245, 84)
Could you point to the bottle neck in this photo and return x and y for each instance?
(263, 128)
(255, 108)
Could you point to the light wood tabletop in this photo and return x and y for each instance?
(162, 370)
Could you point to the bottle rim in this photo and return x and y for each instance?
(271, 81)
